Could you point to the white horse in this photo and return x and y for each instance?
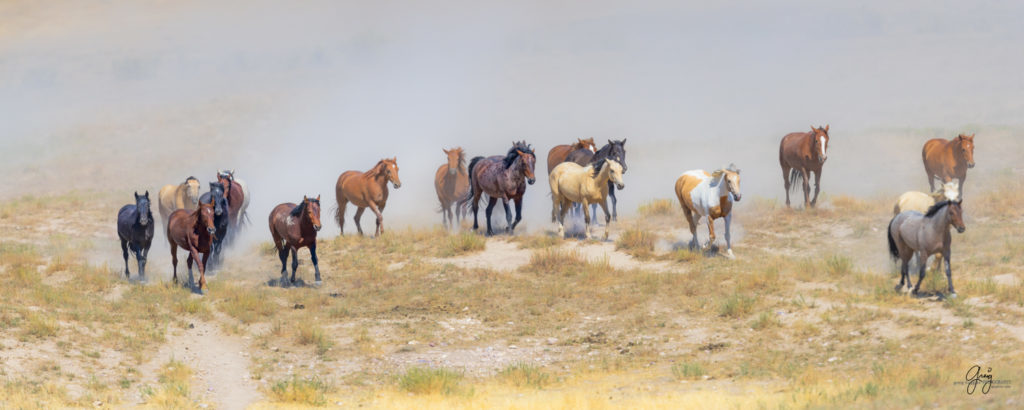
(571, 182)
(702, 194)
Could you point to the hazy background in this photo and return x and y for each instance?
(126, 95)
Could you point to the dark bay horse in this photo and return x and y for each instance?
(243, 217)
(236, 198)
(366, 190)
(294, 227)
(945, 160)
(911, 232)
(451, 181)
(558, 153)
(220, 220)
(135, 229)
(800, 154)
(502, 178)
(193, 231)
(613, 150)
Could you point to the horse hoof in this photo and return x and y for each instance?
(729, 254)
(952, 295)
(318, 283)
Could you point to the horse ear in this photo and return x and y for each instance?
(445, 151)
(623, 142)
(136, 195)
(826, 127)
(232, 172)
(813, 129)
(305, 198)
(971, 137)
(147, 194)
(318, 197)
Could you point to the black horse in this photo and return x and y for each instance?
(135, 229)
(615, 150)
(220, 221)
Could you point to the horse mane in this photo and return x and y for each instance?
(297, 211)
(191, 178)
(513, 153)
(377, 169)
(935, 208)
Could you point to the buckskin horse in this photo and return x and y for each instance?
(135, 230)
(501, 177)
(701, 194)
(294, 227)
(800, 154)
(366, 190)
(586, 185)
(948, 159)
(182, 196)
(614, 150)
(451, 182)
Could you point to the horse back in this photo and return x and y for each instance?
(685, 186)
(937, 154)
(557, 156)
(580, 156)
(793, 149)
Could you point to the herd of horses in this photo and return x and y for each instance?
(579, 175)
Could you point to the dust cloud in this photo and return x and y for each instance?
(123, 96)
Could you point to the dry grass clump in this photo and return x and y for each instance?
(637, 242)
(462, 243)
(539, 241)
(422, 380)
(688, 371)
(522, 374)
(311, 391)
(309, 333)
(175, 387)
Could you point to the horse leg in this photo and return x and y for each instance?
(593, 211)
(555, 201)
(295, 262)
(693, 227)
(711, 232)
(124, 252)
(188, 261)
(519, 213)
(904, 273)
(563, 208)
(282, 253)
(142, 263)
(923, 258)
(586, 218)
(807, 188)
(174, 259)
(508, 215)
(377, 232)
(202, 271)
(607, 218)
(728, 236)
(490, 207)
(476, 209)
(359, 214)
(785, 181)
(817, 187)
(949, 272)
(316, 261)
(961, 187)
(615, 201)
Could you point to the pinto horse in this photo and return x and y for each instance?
(558, 154)
(220, 220)
(294, 227)
(586, 185)
(701, 194)
(451, 181)
(614, 150)
(194, 231)
(501, 177)
(912, 233)
(182, 196)
(945, 160)
(800, 154)
(366, 190)
(135, 229)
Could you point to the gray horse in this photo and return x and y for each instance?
(910, 233)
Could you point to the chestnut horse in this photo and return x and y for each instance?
(366, 190)
(236, 198)
(194, 231)
(800, 154)
(451, 181)
(701, 194)
(945, 160)
(294, 227)
(182, 196)
(559, 152)
(501, 177)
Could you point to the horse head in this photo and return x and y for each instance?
(390, 170)
(820, 143)
(217, 196)
(732, 180)
(965, 143)
(617, 152)
(614, 173)
(205, 219)
(142, 206)
(312, 210)
(956, 216)
(456, 159)
(525, 154)
(587, 144)
(951, 190)
(192, 190)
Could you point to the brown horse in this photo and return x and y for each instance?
(236, 199)
(945, 160)
(800, 154)
(182, 196)
(366, 190)
(451, 181)
(194, 231)
(501, 177)
(559, 152)
(294, 227)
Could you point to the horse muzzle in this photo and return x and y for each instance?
(531, 180)
(396, 184)
(620, 186)
(316, 227)
(961, 229)
(451, 171)
(211, 231)
(737, 197)
(821, 160)
(970, 165)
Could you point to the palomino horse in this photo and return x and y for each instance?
(502, 178)
(558, 154)
(800, 154)
(912, 233)
(586, 185)
(366, 190)
(135, 229)
(921, 202)
(451, 181)
(221, 220)
(182, 196)
(193, 231)
(614, 150)
(230, 173)
(701, 194)
(294, 227)
(945, 160)
(235, 196)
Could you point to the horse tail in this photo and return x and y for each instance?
(794, 176)
(469, 194)
(893, 251)
(337, 214)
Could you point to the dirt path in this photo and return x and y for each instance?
(219, 362)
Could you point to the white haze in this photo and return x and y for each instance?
(127, 95)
